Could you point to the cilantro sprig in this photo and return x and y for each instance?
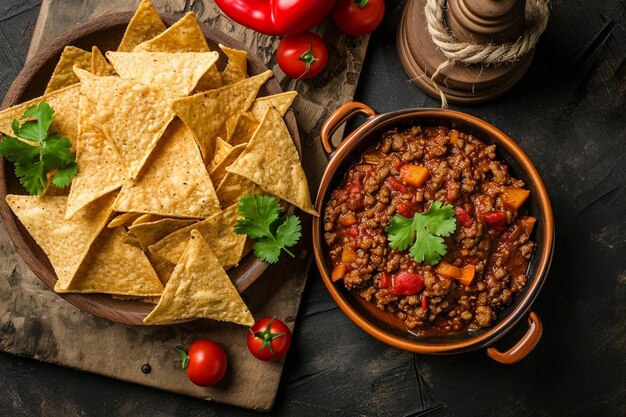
(424, 232)
(260, 221)
(39, 151)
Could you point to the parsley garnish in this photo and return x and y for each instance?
(42, 153)
(260, 221)
(423, 232)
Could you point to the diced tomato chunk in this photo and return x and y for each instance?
(353, 230)
(399, 165)
(464, 217)
(398, 186)
(424, 302)
(496, 220)
(384, 280)
(406, 283)
(406, 208)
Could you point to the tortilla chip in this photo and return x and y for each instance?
(199, 287)
(218, 173)
(123, 219)
(121, 107)
(218, 230)
(65, 105)
(271, 161)
(205, 113)
(151, 232)
(113, 267)
(162, 267)
(174, 182)
(99, 64)
(281, 102)
(100, 167)
(221, 150)
(63, 75)
(241, 128)
(184, 36)
(237, 66)
(146, 218)
(65, 241)
(145, 25)
(174, 73)
(234, 186)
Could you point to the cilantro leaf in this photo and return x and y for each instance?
(32, 177)
(34, 152)
(63, 177)
(289, 232)
(423, 233)
(260, 221)
(35, 130)
(266, 250)
(259, 212)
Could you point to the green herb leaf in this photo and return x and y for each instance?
(260, 221)
(423, 233)
(36, 152)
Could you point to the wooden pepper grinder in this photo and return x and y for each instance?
(502, 31)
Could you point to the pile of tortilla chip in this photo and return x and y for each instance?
(166, 144)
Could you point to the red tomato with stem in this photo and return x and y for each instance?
(302, 55)
(358, 17)
(205, 362)
(269, 339)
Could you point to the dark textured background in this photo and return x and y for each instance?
(568, 113)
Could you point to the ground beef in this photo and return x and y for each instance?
(491, 234)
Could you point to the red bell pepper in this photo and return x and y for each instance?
(277, 17)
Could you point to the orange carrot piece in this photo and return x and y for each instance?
(414, 175)
(467, 275)
(454, 136)
(515, 197)
(448, 270)
(338, 272)
(348, 255)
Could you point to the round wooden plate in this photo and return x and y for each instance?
(106, 33)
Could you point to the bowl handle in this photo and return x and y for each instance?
(340, 116)
(523, 347)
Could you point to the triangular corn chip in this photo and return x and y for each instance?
(145, 25)
(237, 66)
(146, 218)
(199, 288)
(218, 230)
(175, 73)
(222, 149)
(271, 161)
(65, 241)
(123, 219)
(205, 113)
(113, 267)
(63, 75)
(281, 102)
(184, 36)
(99, 64)
(151, 232)
(233, 186)
(121, 108)
(218, 173)
(174, 182)
(100, 167)
(65, 105)
(241, 128)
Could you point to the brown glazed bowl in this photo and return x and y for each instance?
(372, 321)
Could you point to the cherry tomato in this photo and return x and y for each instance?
(302, 55)
(269, 339)
(405, 283)
(358, 17)
(205, 362)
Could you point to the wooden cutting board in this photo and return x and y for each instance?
(37, 323)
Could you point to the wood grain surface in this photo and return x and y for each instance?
(39, 324)
(568, 114)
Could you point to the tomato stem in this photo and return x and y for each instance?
(308, 58)
(360, 3)
(267, 336)
(183, 356)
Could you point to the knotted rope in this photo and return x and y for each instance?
(468, 53)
